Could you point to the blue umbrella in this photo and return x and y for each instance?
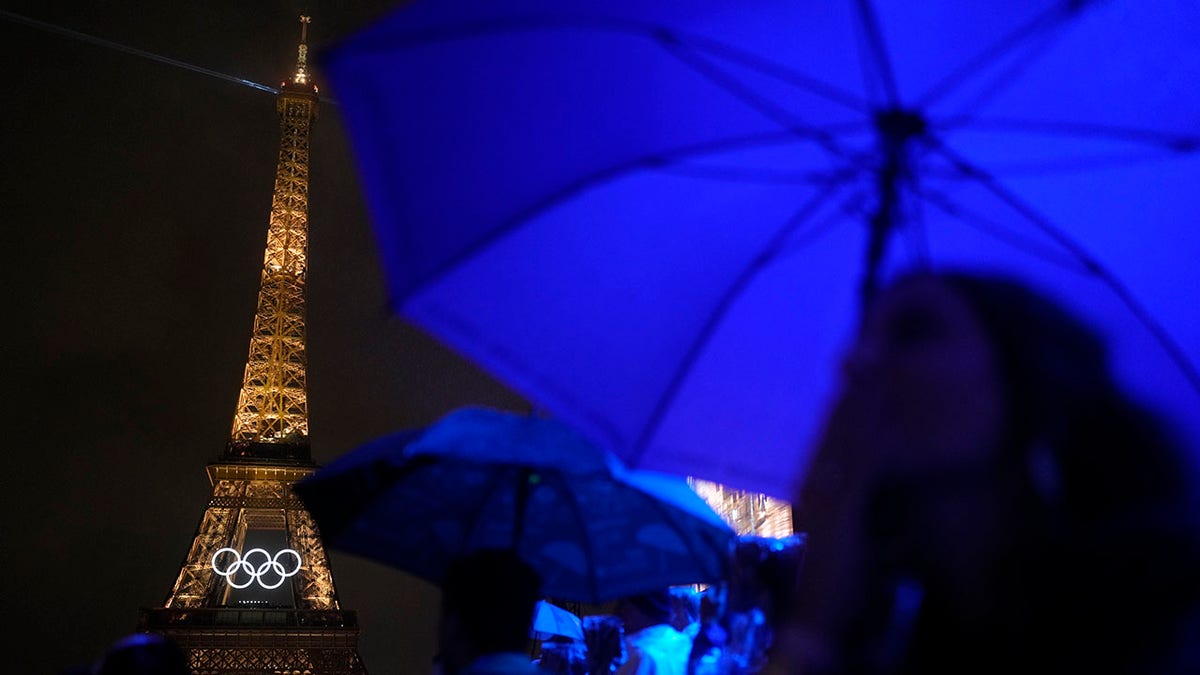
(481, 478)
(657, 219)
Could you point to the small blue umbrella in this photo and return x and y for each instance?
(481, 478)
(550, 621)
(657, 219)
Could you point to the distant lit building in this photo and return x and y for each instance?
(747, 512)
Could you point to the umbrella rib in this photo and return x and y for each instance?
(766, 255)
(763, 176)
(819, 229)
(779, 72)
(651, 31)
(1060, 166)
(495, 486)
(1008, 75)
(1049, 18)
(577, 510)
(823, 227)
(752, 99)
(989, 182)
(946, 205)
(879, 53)
(1173, 142)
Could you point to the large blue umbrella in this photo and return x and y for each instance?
(481, 478)
(657, 219)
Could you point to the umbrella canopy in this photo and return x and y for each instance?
(657, 219)
(550, 620)
(480, 478)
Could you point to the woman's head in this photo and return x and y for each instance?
(924, 378)
(977, 370)
(488, 601)
(1053, 367)
(982, 458)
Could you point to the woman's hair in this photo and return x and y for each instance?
(1087, 444)
(1109, 522)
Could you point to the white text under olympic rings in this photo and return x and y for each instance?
(269, 565)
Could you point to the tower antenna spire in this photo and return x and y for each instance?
(301, 76)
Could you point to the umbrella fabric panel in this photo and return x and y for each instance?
(481, 435)
(591, 544)
(426, 518)
(513, 177)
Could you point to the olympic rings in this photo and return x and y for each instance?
(269, 565)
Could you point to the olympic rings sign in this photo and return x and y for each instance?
(242, 565)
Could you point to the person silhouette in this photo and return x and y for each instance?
(488, 600)
(143, 654)
(986, 498)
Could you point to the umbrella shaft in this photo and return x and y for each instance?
(897, 129)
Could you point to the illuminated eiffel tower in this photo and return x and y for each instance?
(255, 593)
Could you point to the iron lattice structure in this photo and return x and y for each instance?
(235, 608)
(273, 404)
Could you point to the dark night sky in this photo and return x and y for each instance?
(134, 198)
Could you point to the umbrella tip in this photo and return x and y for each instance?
(898, 124)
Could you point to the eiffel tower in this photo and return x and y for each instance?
(255, 593)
